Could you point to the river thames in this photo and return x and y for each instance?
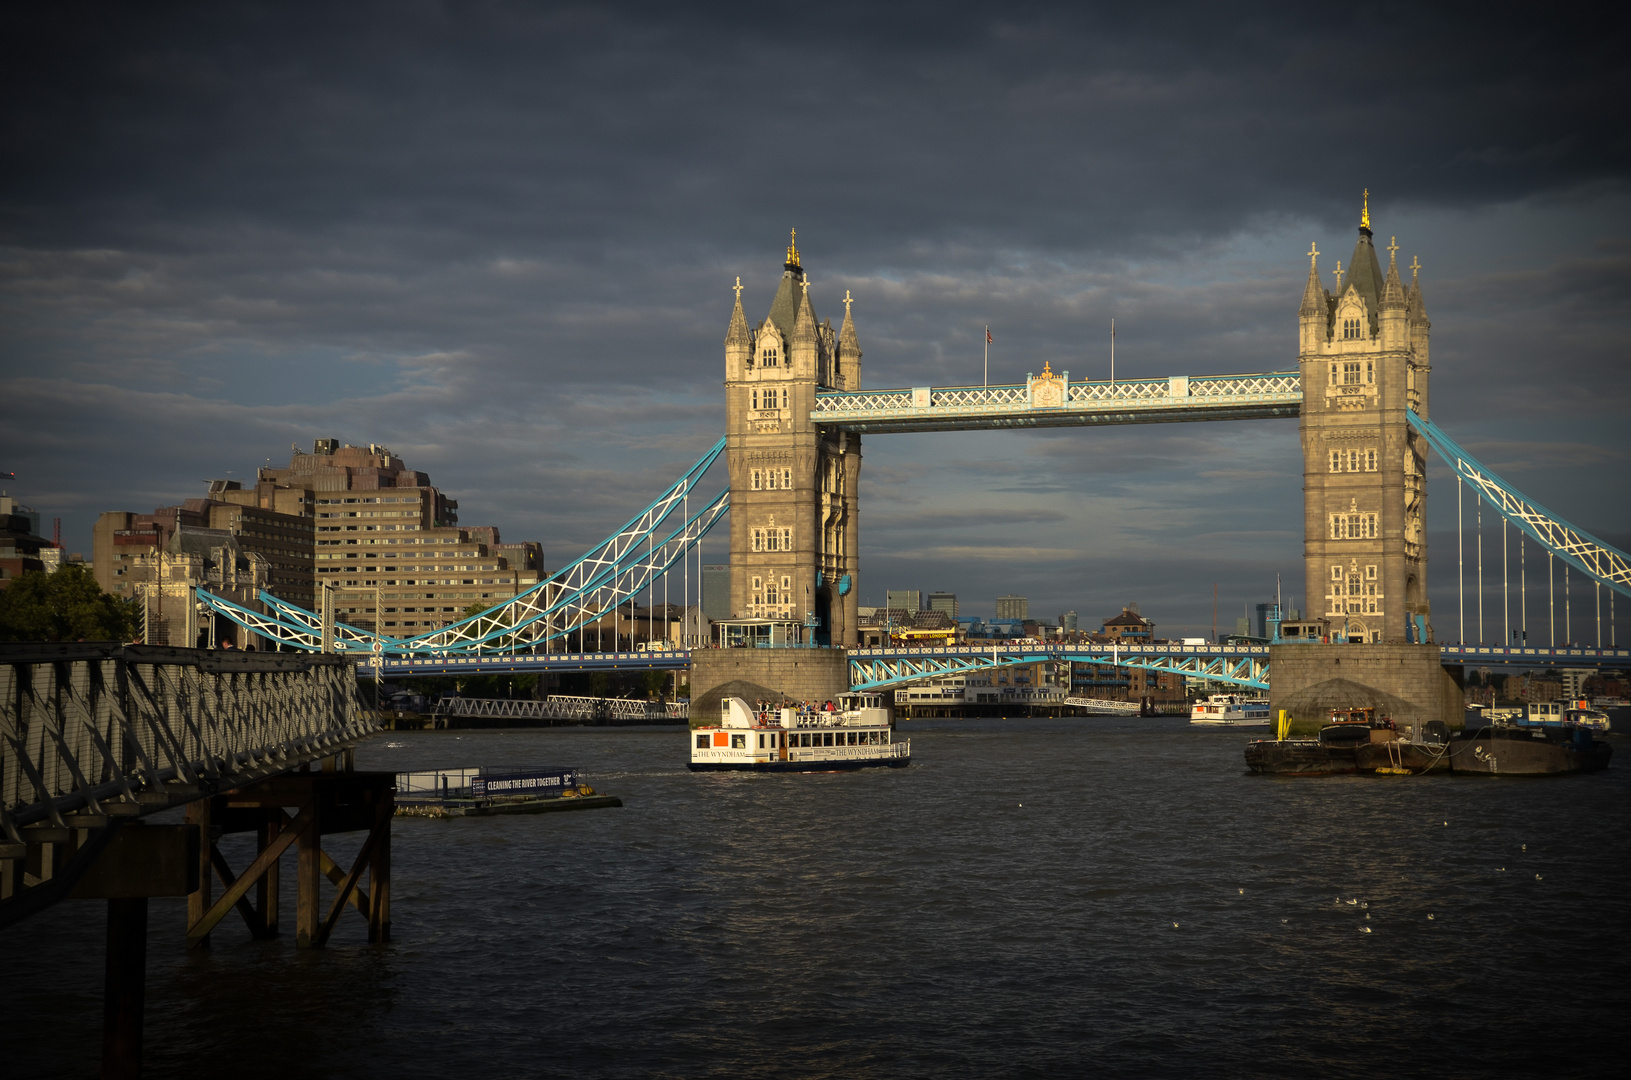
(1030, 898)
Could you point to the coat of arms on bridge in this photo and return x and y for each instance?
(1048, 390)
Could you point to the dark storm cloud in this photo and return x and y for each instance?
(498, 238)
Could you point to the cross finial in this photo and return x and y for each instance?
(1415, 265)
(739, 288)
(1393, 248)
(1338, 273)
(1313, 253)
(1364, 215)
(847, 303)
(793, 250)
(806, 283)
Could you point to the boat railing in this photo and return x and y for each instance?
(848, 753)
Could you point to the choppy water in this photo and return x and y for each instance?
(1031, 898)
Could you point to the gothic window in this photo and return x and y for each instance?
(755, 479)
(758, 539)
(769, 357)
(1350, 373)
(787, 539)
(755, 399)
(1370, 371)
(1336, 573)
(1370, 460)
(1370, 573)
(758, 590)
(1333, 374)
(1353, 527)
(1336, 460)
(787, 589)
(770, 592)
(1353, 460)
(770, 479)
(787, 479)
(1351, 329)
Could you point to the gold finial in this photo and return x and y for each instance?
(738, 288)
(1364, 215)
(847, 303)
(793, 250)
(1313, 253)
(1047, 369)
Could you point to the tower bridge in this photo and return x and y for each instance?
(796, 414)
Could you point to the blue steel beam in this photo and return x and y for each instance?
(1241, 665)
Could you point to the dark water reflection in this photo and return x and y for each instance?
(1006, 907)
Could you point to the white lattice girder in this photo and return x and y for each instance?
(1196, 397)
(877, 671)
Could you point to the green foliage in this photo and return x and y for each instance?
(65, 606)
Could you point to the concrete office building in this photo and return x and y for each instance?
(1013, 607)
(944, 602)
(716, 591)
(903, 600)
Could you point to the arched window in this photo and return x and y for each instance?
(769, 356)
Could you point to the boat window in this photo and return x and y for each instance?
(739, 742)
(702, 742)
(761, 740)
(827, 739)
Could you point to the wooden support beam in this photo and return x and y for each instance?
(200, 813)
(200, 929)
(379, 871)
(359, 897)
(350, 883)
(267, 886)
(124, 989)
(308, 876)
(251, 917)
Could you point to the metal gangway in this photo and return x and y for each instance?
(568, 707)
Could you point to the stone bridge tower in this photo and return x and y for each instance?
(1364, 362)
(794, 520)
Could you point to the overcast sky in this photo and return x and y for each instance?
(500, 239)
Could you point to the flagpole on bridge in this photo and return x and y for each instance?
(1112, 353)
(987, 355)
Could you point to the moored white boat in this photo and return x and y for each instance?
(857, 734)
(1231, 710)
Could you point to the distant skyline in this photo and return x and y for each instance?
(501, 240)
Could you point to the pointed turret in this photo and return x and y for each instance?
(804, 325)
(738, 340)
(737, 333)
(1364, 269)
(1392, 288)
(1415, 304)
(848, 361)
(1313, 293)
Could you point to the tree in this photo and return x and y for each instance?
(67, 605)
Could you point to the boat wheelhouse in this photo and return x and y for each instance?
(1231, 710)
(855, 733)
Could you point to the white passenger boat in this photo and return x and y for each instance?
(1231, 710)
(856, 734)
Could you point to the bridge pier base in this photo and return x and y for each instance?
(1407, 683)
(793, 674)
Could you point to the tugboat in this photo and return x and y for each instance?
(1357, 742)
(854, 733)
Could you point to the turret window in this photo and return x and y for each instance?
(1358, 460)
(1351, 329)
(770, 357)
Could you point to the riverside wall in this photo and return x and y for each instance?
(751, 674)
(1405, 682)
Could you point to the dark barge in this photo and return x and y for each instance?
(1370, 746)
(494, 790)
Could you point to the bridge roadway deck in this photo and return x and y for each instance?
(1479, 655)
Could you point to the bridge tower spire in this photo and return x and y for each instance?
(794, 509)
(1363, 360)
